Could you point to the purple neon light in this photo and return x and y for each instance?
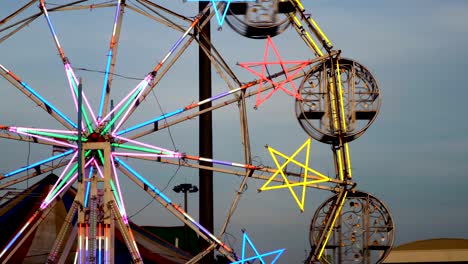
(61, 176)
(70, 181)
(58, 131)
(124, 100)
(122, 210)
(166, 200)
(99, 169)
(146, 145)
(65, 144)
(85, 99)
(124, 118)
(67, 66)
(148, 155)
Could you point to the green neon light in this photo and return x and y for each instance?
(65, 179)
(140, 149)
(117, 198)
(101, 156)
(83, 110)
(54, 135)
(121, 111)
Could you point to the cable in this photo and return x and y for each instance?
(115, 74)
(165, 120)
(146, 205)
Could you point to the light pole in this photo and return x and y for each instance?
(185, 188)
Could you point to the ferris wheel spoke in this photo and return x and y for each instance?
(111, 58)
(36, 98)
(39, 214)
(246, 86)
(30, 138)
(72, 80)
(118, 192)
(151, 80)
(145, 147)
(67, 177)
(42, 137)
(37, 172)
(37, 165)
(173, 208)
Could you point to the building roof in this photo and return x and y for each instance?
(438, 250)
(436, 243)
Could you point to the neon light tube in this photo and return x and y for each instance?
(48, 104)
(131, 154)
(233, 164)
(106, 79)
(69, 183)
(44, 101)
(58, 142)
(122, 209)
(220, 18)
(13, 240)
(159, 193)
(101, 156)
(124, 103)
(80, 242)
(167, 200)
(74, 91)
(331, 227)
(54, 193)
(70, 85)
(188, 107)
(85, 99)
(133, 103)
(46, 130)
(145, 145)
(117, 198)
(109, 59)
(99, 243)
(137, 148)
(61, 176)
(88, 187)
(98, 169)
(40, 163)
(52, 135)
(150, 121)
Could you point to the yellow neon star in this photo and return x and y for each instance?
(287, 184)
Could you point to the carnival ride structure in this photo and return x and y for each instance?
(336, 100)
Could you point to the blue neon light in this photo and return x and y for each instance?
(39, 163)
(104, 86)
(88, 188)
(150, 121)
(143, 180)
(48, 104)
(219, 17)
(258, 255)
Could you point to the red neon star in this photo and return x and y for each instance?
(289, 76)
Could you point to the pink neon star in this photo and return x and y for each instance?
(289, 76)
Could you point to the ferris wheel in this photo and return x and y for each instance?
(336, 101)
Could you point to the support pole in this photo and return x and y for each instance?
(205, 136)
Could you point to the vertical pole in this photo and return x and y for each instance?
(80, 129)
(205, 137)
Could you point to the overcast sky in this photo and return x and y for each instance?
(414, 157)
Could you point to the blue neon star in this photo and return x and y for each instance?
(258, 255)
(219, 17)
